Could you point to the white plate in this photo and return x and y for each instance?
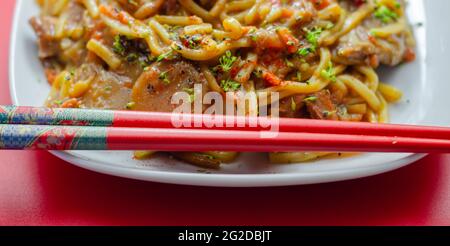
(425, 84)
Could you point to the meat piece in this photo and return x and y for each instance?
(359, 48)
(392, 51)
(292, 107)
(320, 106)
(108, 90)
(44, 27)
(75, 15)
(154, 89)
(51, 68)
(355, 47)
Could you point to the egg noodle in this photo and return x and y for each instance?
(319, 55)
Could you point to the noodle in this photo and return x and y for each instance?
(320, 56)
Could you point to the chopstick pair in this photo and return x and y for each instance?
(81, 129)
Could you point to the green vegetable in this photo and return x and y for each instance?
(384, 14)
(132, 2)
(164, 77)
(313, 37)
(293, 104)
(288, 63)
(164, 56)
(191, 93)
(227, 61)
(118, 46)
(310, 99)
(299, 76)
(328, 73)
(130, 105)
(304, 51)
(229, 85)
(132, 57)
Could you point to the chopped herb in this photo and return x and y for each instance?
(108, 88)
(164, 56)
(191, 93)
(313, 37)
(385, 14)
(191, 41)
(310, 99)
(164, 77)
(130, 105)
(230, 85)
(293, 104)
(132, 57)
(118, 46)
(329, 25)
(227, 61)
(252, 34)
(328, 73)
(304, 51)
(288, 63)
(132, 2)
(299, 76)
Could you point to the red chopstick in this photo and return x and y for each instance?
(163, 120)
(68, 129)
(164, 139)
(251, 141)
(48, 116)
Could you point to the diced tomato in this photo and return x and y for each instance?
(71, 103)
(115, 14)
(409, 55)
(286, 13)
(234, 71)
(107, 10)
(372, 39)
(271, 78)
(374, 61)
(123, 18)
(320, 4)
(289, 40)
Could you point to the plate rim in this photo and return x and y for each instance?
(236, 180)
(203, 179)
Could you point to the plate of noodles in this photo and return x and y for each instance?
(373, 61)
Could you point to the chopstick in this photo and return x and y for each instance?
(164, 139)
(109, 118)
(80, 129)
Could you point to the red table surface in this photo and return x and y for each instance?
(37, 188)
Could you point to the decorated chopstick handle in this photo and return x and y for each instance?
(36, 137)
(55, 116)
